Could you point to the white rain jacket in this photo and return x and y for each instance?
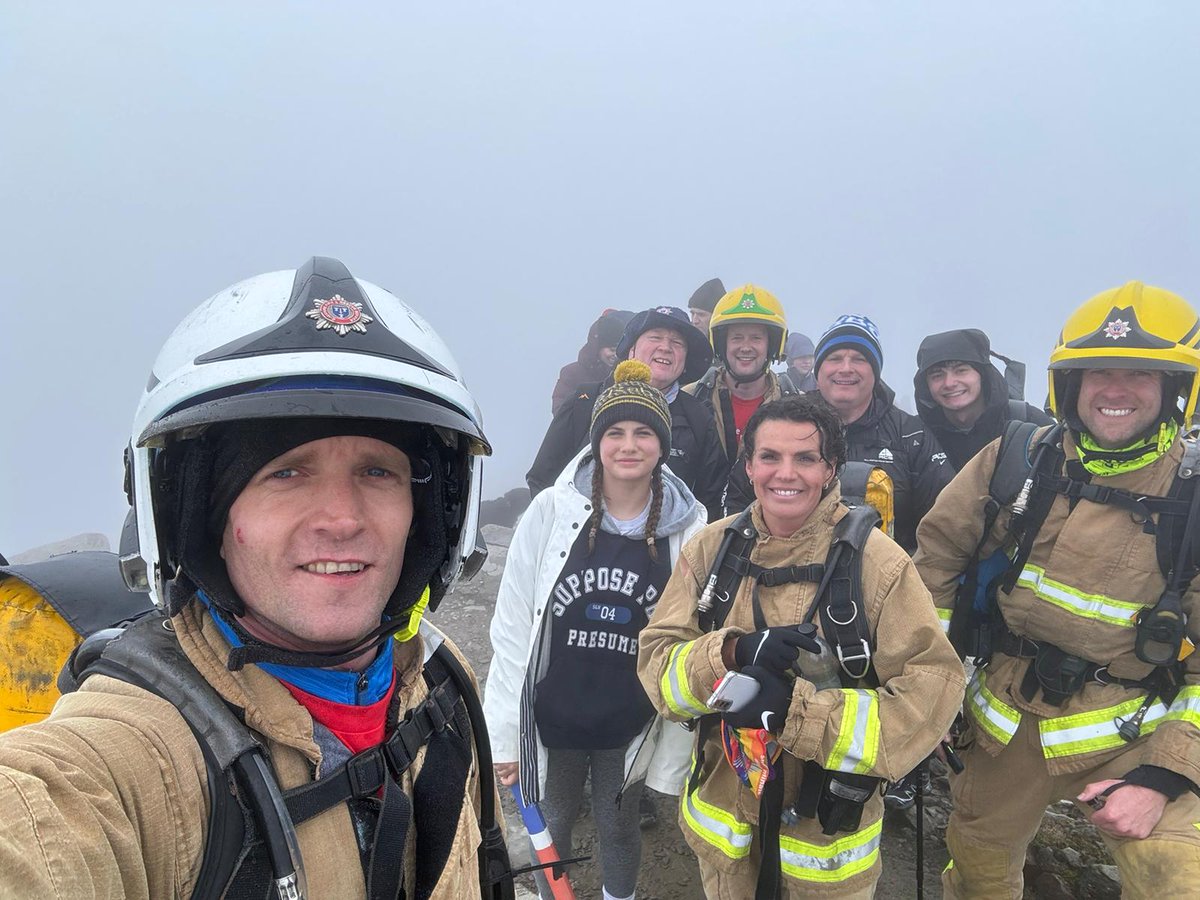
(542, 541)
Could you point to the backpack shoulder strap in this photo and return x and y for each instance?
(1171, 530)
(147, 655)
(1013, 461)
(730, 566)
(839, 598)
(853, 480)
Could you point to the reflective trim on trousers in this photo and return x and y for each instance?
(1088, 732)
(996, 718)
(1186, 707)
(674, 685)
(716, 826)
(828, 863)
(1096, 607)
(944, 617)
(857, 744)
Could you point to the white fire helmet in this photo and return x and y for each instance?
(314, 343)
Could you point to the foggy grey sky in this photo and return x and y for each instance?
(511, 169)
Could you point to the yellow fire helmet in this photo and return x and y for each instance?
(744, 305)
(1135, 326)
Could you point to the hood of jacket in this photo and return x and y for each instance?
(679, 506)
(970, 345)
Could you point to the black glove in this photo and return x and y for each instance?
(770, 705)
(775, 648)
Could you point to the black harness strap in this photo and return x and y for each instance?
(365, 773)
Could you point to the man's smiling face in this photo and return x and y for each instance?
(315, 542)
(664, 350)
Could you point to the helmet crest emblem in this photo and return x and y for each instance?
(1117, 329)
(342, 315)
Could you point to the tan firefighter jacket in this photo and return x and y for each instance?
(108, 796)
(883, 732)
(1090, 571)
(720, 388)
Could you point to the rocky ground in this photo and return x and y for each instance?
(1066, 860)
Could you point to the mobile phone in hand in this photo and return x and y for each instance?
(733, 692)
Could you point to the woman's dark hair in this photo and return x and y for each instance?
(802, 408)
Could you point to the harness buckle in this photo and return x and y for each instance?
(401, 749)
(365, 772)
(864, 658)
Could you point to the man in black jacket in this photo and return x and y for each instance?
(962, 397)
(677, 353)
(848, 362)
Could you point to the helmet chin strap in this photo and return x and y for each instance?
(403, 628)
(740, 380)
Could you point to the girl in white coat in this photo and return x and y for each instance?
(583, 574)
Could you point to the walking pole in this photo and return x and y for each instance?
(543, 845)
(919, 773)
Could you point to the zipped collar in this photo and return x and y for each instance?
(353, 688)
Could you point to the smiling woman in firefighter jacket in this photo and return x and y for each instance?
(879, 731)
(1066, 708)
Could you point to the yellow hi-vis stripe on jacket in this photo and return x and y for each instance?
(830, 863)
(715, 825)
(1089, 732)
(822, 863)
(857, 745)
(996, 718)
(674, 685)
(944, 615)
(1097, 607)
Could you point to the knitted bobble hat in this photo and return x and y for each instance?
(855, 332)
(631, 398)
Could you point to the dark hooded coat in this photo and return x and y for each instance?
(588, 368)
(971, 346)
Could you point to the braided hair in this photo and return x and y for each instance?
(656, 502)
(597, 505)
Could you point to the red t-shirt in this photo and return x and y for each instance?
(358, 727)
(742, 411)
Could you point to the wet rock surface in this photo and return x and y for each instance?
(1066, 860)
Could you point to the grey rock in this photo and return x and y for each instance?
(1050, 886)
(1071, 857)
(1100, 883)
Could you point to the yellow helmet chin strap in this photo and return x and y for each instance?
(409, 631)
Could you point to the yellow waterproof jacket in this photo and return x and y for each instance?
(883, 732)
(108, 796)
(1090, 571)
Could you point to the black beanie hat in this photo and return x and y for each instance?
(631, 398)
(241, 449)
(706, 296)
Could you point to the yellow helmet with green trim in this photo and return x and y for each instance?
(1135, 326)
(746, 305)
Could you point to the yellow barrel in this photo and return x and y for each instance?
(35, 642)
